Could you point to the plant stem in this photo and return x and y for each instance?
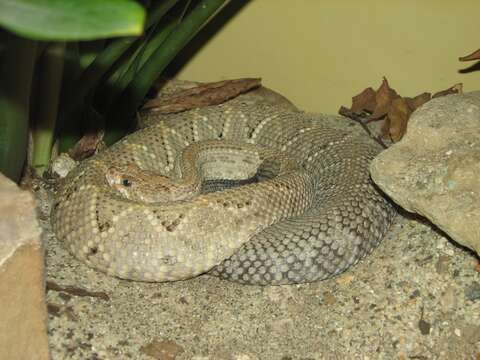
(49, 88)
(93, 73)
(76, 92)
(153, 67)
(104, 61)
(3, 43)
(156, 12)
(16, 76)
(89, 50)
(107, 61)
(118, 86)
(162, 31)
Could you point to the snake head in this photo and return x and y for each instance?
(136, 184)
(125, 180)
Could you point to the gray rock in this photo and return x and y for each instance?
(435, 169)
(62, 165)
(472, 293)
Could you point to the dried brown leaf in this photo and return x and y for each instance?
(417, 101)
(473, 56)
(53, 309)
(393, 109)
(385, 129)
(88, 145)
(365, 101)
(162, 350)
(384, 97)
(202, 95)
(77, 291)
(398, 116)
(361, 120)
(455, 89)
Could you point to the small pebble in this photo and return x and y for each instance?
(242, 357)
(424, 327)
(415, 294)
(345, 279)
(472, 293)
(62, 165)
(441, 266)
(329, 298)
(162, 349)
(448, 301)
(450, 252)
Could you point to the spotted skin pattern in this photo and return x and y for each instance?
(312, 214)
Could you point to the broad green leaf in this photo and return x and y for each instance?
(72, 19)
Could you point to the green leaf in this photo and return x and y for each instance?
(16, 74)
(131, 98)
(72, 19)
(49, 83)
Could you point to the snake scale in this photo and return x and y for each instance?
(137, 210)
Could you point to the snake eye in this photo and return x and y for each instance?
(126, 183)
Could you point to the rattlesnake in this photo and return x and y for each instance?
(310, 212)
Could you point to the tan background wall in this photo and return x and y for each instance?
(321, 52)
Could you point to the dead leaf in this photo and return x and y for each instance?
(345, 279)
(87, 146)
(473, 56)
(455, 89)
(388, 106)
(162, 349)
(385, 129)
(361, 119)
(53, 309)
(365, 101)
(398, 116)
(383, 98)
(202, 95)
(417, 101)
(77, 291)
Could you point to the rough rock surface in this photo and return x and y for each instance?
(23, 313)
(435, 169)
(62, 165)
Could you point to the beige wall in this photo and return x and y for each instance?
(321, 52)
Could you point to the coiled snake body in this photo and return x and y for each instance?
(137, 210)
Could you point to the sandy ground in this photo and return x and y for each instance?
(415, 297)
